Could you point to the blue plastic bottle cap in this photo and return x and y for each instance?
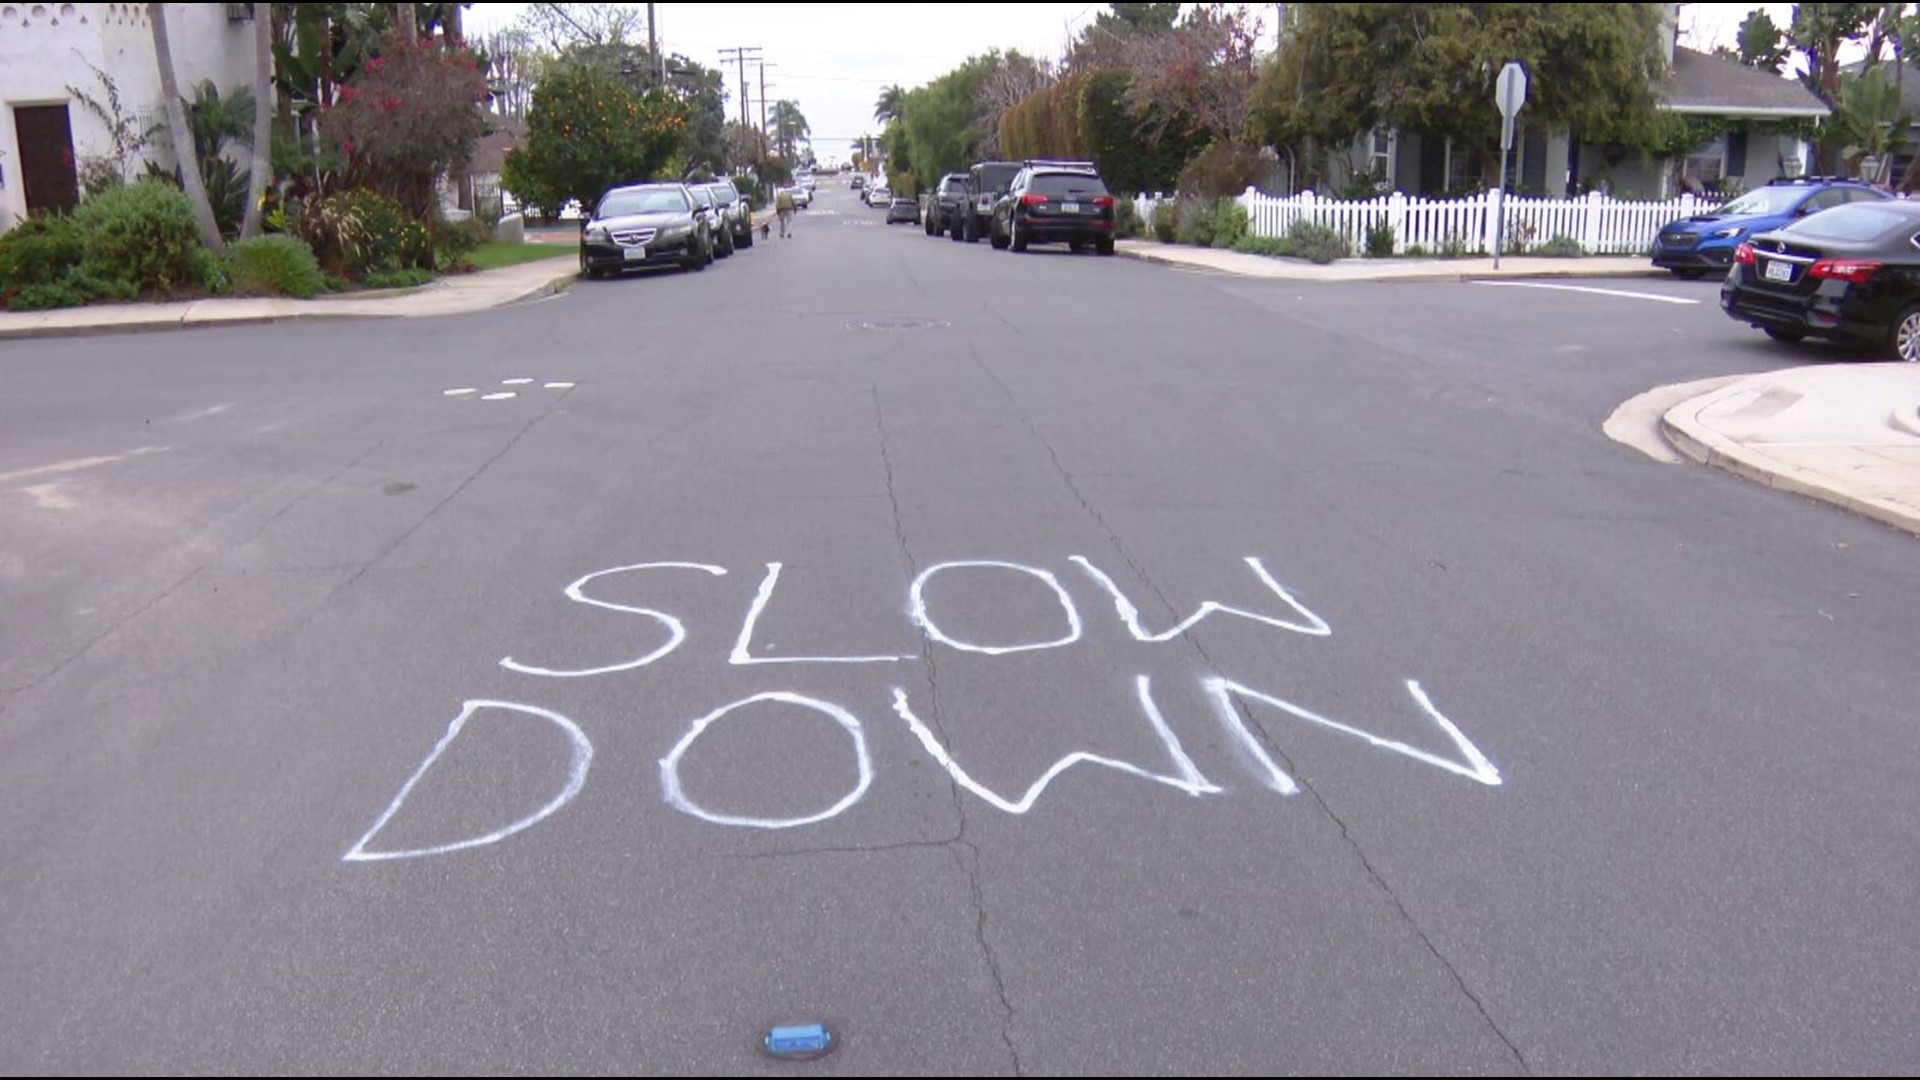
(803, 1040)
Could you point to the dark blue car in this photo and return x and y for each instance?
(1693, 247)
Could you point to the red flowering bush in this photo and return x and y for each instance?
(411, 113)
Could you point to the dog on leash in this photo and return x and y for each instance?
(766, 230)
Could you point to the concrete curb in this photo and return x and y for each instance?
(1682, 428)
(1385, 274)
(190, 318)
(1907, 419)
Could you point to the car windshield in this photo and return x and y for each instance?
(647, 201)
(726, 193)
(1859, 223)
(1060, 185)
(1766, 200)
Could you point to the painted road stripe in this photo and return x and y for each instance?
(1591, 289)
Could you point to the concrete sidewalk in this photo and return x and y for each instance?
(1847, 434)
(1350, 270)
(447, 296)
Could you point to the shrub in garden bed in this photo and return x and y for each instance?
(1166, 221)
(277, 265)
(121, 243)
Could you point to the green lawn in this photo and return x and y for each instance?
(493, 256)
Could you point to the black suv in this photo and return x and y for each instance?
(644, 225)
(986, 182)
(1055, 202)
(945, 201)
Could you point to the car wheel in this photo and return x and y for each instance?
(998, 241)
(1905, 339)
(745, 241)
(1076, 246)
(953, 230)
(710, 255)
(973, 228)
(586, 269)
(1687, 273)
(1789, 337)
(1104, 245)
(1014, 239)
(931, 228)
(725, 245)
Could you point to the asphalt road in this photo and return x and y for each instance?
(309, 762)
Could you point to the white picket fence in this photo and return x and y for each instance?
(1601, 224)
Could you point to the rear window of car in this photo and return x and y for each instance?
(1056, 185)
(997, 177)
(726, 193)
(647, 201)
(1858, 223)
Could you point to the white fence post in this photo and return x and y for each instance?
(1397, 220)
(1590, 224)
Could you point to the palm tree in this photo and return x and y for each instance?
(179, 134)
(789, 126)
(887, 108)
(263, 104)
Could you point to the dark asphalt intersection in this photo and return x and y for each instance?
(1037, 664)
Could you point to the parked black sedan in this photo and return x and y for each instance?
(1849, 275)
(644, 225)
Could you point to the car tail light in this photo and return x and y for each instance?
(1104, 202)
(1033, 200)
(1743, 255)
(1854, 271)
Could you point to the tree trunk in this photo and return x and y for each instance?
(180, 135)
(261, 170)
(454, 31)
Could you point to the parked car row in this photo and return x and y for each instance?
(1014, 205)
(1810, 257)
(664, 224)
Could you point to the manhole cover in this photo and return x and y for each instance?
(899, 324)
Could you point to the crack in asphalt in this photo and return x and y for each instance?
(969, 868)
(1253, 722)
(477, 473)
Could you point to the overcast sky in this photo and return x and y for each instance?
(834, 58)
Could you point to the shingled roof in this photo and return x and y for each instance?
(1706, 85)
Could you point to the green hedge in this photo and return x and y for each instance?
(128, 241)
(278, 265)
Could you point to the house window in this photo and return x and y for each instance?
(1461, 173)
(1706, 167)
(1381, 143)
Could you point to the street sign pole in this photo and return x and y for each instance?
(1510, 94)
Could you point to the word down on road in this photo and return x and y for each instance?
(1225, 695)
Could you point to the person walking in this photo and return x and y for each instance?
(783, 206)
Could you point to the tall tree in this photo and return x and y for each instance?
(1762, 42)
(261, 168)
(555, 26)
(790, 127)
(179, 134)
(886, 108)
(1343, 69)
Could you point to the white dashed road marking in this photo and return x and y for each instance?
(501, 396)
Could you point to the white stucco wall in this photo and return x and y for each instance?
(45, 48)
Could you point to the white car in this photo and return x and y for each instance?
(878, 195)
(802, 197)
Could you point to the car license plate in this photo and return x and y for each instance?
(1071, 208)
(1778, 271)
(638, 254)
